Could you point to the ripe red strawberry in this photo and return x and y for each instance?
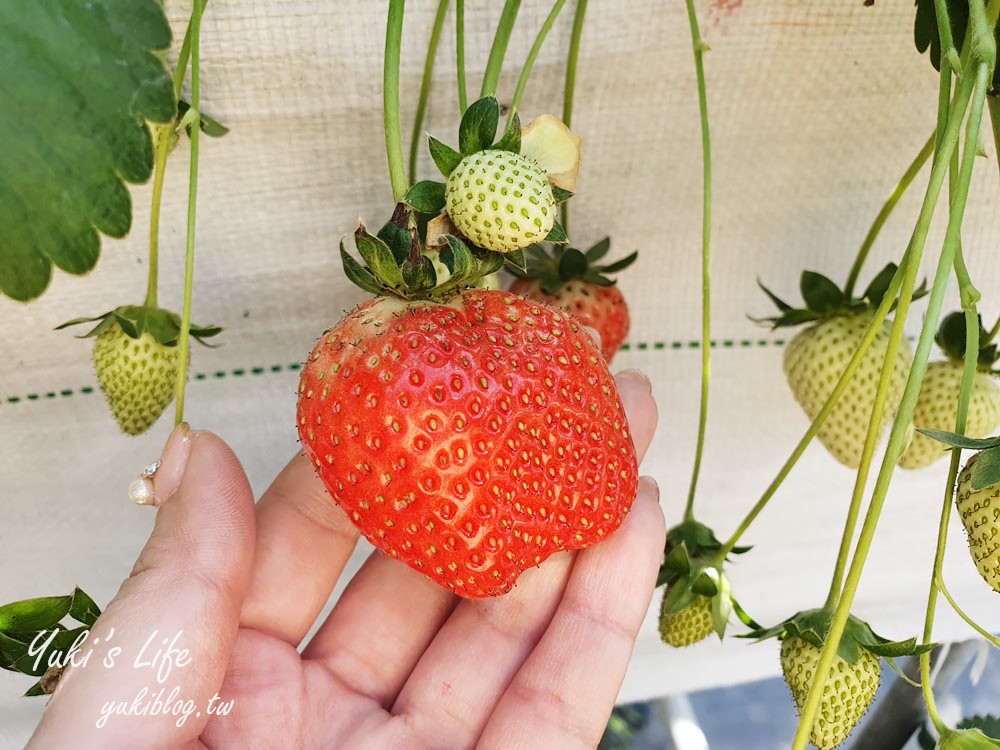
(817, 356)
(136, 360)
(572, 281)
(937, 404)
(470, 438)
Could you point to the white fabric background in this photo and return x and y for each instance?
(816, 109)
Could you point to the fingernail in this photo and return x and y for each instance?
(638, 377)
(160, 480)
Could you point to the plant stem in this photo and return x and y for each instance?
(961, 613)
(536, 47)
(499, 49)
(845, 378)
(569, 86)
(905, 413)
(390, 100)
(184, 338)
(159, 168)
(883, 215)
(425, 85)
(699, 48)
(463, 95)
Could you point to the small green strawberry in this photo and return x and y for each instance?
(853, 678)
(816, 357)
(849, 691)
(937, 404)
(688, 626)
(136, 359)
(573, 281)
(977, 499)
(501, 196)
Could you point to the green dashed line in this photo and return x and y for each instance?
(240, 372)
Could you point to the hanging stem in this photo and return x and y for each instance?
(159, 168)
(536, 47)
(390, 100)
(961, 613)
(699, 48)
(569, 86)
(499, 49)
(887, 208)
(463, 96)
(905, 413)
(425, 85)
(184, 338)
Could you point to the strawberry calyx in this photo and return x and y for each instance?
(983, 466)
(691, 569)
(968, 738)
(813, 626)
(556, 265)
(824, 299)
(134, 320)
(951, 337)
(477, 133)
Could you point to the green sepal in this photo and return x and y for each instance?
(875, 291)
(83, 609)
(561, 195)
(819, 293)
(951, 338)
(398, 238)
(478, 127)
(418, 276)
(427, 197)
(599, 249)
(955, 440)
(379, 258)
(966, 739)
(515, 262)
(163, 325)
(986, 471)
(722, 607)
(30, 615)
(572, 264)
(358, 274)
(813, 626)
(557, 234)
(704, 585)
(677, 561)
(210, 127)
(445, 157)
(511, 138)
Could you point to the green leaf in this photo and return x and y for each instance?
(820, 294)
(445, 157)
(960, 441)
(511, 140)
(478, 126)
(426, 196)
(77, 82)
(33, 614)
(966, 739)
(986, 471)
(358, 274)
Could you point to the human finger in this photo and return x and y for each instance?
(635, 391)
(158, 653)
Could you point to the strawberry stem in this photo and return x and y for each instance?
(973, 86)
(529, 61)
(425, 85)
(699, 48)
(184, 339)
(463, 94)
(494, 63)
(159, 168)
(939, 582)
(569, 87)
(390, 100)
(886, 211)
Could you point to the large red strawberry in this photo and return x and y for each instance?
(572, 280)
(470, 436)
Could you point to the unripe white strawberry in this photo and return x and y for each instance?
(136, 375)
(500, 200)
(689, 626)
(815, 359)
(980, 514)
(849, 690)
(937, 409)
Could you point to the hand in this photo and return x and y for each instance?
(226, 591)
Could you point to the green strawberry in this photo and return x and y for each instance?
(850, 688)
(500, 200)
(979, 508)
(136, 359)
(937, 404)
(692, 624)
(816, 357)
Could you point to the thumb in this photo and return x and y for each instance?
(157, 655)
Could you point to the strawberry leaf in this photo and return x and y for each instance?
(966, 739)
(819, 293)
(426, 196)
(511, 140)
(955, 440)
(478, 126)
(74, 133)
(445, 157)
